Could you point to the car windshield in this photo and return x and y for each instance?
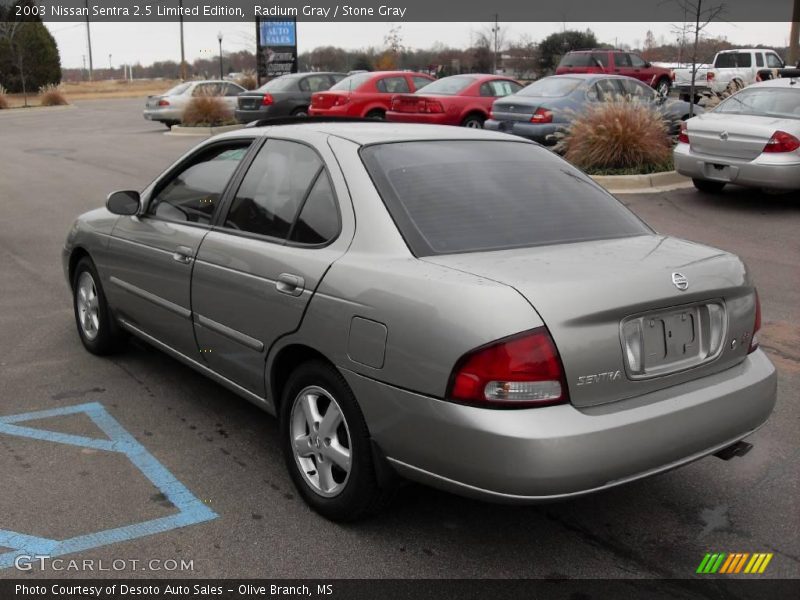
(352, 83)
(279, 84)
(178, 89)
(551, 87)
(456, 196)
(449, 86)
(765, 101)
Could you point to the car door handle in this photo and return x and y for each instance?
(292, 285)
(183, 254)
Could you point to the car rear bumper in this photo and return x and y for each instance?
(544, 133)
(549, 453)
(430, 119)
(155, 114)
(333, 111)
(774, 171)
(248, 115)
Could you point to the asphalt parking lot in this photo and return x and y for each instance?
(147, 422)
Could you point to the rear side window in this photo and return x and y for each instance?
(759, 59)
(318, 222)
(579, 59)
(393, 85)
(315, 83)
(450, 197)
(274, 188)
(730, 60)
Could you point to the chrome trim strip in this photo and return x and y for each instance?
(232, 334)
(475, 491)
(150, 297)
(262, 403)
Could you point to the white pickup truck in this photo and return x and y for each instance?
(731, 70)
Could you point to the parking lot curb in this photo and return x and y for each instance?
(205, 131)
(21, 110)
(642, 184)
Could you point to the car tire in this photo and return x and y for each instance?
(376, 114)
(473, 121)
(300, 112)
(711, 187)
(663, 86)
(333, 468)
(97, 328)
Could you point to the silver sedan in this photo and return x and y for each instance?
(168, 107)
(751, 139)
(454, 306)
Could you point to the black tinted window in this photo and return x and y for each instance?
(733, 59)
(579, 59)
(319, 220)
(193, 194)
(601, 58)
(461, 196)
(273, 189)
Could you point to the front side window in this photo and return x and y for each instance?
(636, 61)
(622, 60)
(192, 194)
(274, 188)
(451, 197)
(774, 61)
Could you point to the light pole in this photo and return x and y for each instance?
(219, 37)
(110, 68)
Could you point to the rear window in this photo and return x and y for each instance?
(177, 90)
(763, 101)
(551, 87)
(450, 197)
(279, 84)
(449, 86)
(353, 82)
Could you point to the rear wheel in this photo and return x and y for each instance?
(376, 114)
(326, 444)
(473, 122)
(300, 112)
(712, 187)
(96, 327)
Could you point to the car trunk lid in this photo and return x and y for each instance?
(586, 293)
(516, 109)
(731, 136)
(328, 99)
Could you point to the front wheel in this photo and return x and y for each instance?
(326, 444)
(712, 187)
(96, 327)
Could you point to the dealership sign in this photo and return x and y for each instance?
(276, 47)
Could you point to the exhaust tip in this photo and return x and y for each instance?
(738, 449)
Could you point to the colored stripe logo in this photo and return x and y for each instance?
(734, 563)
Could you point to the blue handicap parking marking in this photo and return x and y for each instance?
(190, 509)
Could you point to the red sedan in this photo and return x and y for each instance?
(365, 94)
(457, 100)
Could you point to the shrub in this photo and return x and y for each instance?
(617, 135)
(3, 99)
(34, 47)
(51, 95)
(248, 80)
(206, 111)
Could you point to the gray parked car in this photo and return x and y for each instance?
(546, 106)
(752, 139)
(456, 306)
(168, 107)
(285, 96)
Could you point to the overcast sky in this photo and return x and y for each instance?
(129, 43)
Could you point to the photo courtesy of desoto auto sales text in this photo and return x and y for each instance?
(399, 300)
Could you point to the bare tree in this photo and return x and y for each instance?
(9, 33)
(702, 18)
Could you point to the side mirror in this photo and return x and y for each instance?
(124, 203)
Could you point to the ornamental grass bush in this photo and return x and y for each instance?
(51, 95)
(248, 80)
(3, 98)
(206, 111)
(620, 135)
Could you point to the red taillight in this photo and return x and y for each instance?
(163, 102)
(542, 115)
(756, 326)
(710, 76)
(267, 100)
(683, 136)
(341, 100)
(520, 371)
(430, 106)
(782, 142)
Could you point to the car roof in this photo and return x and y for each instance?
(374, 132)
(782, 82)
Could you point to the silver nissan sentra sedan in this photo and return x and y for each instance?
(458, 307)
